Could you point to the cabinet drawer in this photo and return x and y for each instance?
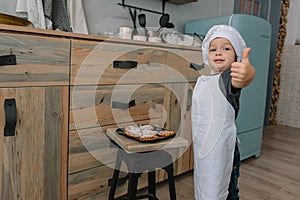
(93, 106)
(93, 183)
(89, 148)
(40, 61)
(93, 63)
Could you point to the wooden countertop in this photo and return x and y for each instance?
(62, 34)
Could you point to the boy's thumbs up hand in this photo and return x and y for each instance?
(243, 72)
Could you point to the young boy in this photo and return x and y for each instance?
(215, 106)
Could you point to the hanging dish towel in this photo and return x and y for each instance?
(33, 11)
(77, 17)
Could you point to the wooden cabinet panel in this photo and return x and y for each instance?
(33, 160)
(93, 184)
(102, 97)
(179, 68)
(34, 164)
(89, 148)
(93, 106)
(92, 63)
(177, 101)
(40, 61)
(57, 139)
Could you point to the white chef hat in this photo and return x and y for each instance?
(225, 31)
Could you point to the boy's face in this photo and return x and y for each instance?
(221, 54)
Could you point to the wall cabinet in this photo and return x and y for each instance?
(68, 90)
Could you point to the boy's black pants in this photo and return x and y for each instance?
(233, 185)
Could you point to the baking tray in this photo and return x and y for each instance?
(121, 131)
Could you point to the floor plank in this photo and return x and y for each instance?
(275, 175)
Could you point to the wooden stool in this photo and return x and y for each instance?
(137, 163)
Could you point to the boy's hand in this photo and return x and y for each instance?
(243, 72)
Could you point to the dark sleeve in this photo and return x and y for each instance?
(232, 94)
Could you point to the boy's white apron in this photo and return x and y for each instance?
(214, 137)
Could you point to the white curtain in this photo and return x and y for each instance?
(33, 11)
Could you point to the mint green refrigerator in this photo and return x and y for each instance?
(257, 34)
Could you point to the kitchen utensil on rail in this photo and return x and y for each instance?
(142, 22)
(163, 20)
(170, 25)
(133, 18)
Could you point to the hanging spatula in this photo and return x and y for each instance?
(142, 22)
(133, 18)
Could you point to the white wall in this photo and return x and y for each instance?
(288, 109)
(203, 9)
(293, 26)
(8, 6)
(107, 16)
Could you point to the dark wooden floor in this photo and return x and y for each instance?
(275, 175)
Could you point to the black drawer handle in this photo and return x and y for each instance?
(196, 66)
(120, 105)
(125, 64)
(10, 117)
(8, 60)
(189, 102)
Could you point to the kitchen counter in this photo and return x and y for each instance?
(70, 35)
(66, 91)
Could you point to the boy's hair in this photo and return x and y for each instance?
(224, 31)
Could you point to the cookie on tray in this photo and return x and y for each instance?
(165, 133)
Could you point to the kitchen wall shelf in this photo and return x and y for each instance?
(181, 1)
(163, 5)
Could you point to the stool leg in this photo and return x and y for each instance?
(151, 184)
(171, 181)
(132, 186)
(113, 186)
(115, 177)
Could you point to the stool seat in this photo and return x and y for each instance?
(138, 163)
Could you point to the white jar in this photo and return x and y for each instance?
(125, 32)
(154, 39)
(140, 37)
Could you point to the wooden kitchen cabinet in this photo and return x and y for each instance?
(69, 89)
(33, 158)
(160, 87)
